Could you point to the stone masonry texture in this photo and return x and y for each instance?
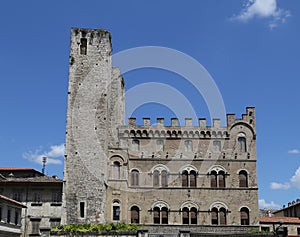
(175, 175)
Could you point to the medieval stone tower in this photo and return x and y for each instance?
(95, 103)
(201, 177)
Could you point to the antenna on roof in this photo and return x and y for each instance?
(44, 160)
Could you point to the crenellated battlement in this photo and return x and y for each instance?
(78, 33)
(202, 130)
(248, 118)
(174, 123)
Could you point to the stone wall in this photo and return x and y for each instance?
(85, 172)
(102, 153)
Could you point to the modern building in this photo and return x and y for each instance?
(10, 217)
(164, 174)
(41, 194)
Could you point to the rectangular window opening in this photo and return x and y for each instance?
(8, 216)
(16, 217)
(83, 46)
(54, 222)
(81, 205)
(35, 227)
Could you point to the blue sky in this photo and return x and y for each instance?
(250, 48)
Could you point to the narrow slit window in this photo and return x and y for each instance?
(81, 207)
(83, 46)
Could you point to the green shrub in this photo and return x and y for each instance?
(98, 228)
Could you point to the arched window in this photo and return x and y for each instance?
(185, 216)
(221, 177)
(156, 215)
(242, 145)
(213, 179)
(135, 215)
(214, 216)
(189, 178)
(164, 178)
(193, 214)
(222, 214)
(159, 145)
(156, 178)
(193, 179)
(245, 216)
(134, 177)
(243, 179)
(116, 210)
(189, 216)
(160, 215)
(218, 216)
(164, 215)
(217, 179)
(188, 145)
(116, 170)
(185, 178)
(135, 145)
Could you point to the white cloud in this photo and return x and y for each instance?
(55, 152)
(263, 204)
(295, 180)
(284, 186)
(267, 9)
(294, 151)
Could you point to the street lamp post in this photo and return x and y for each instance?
(279, 231)
(44, 160)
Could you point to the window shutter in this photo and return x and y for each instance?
(193, 179)
(213, 180)
(184, 179)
